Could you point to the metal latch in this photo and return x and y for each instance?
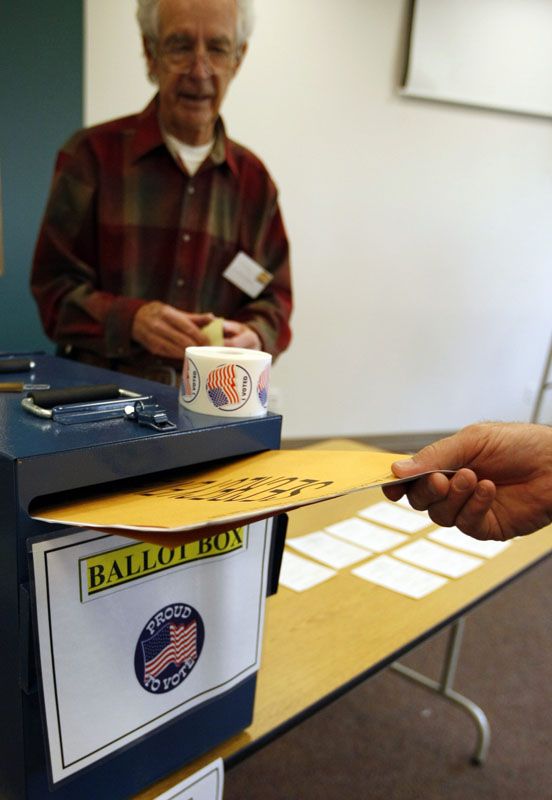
(147, 412)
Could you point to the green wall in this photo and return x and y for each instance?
(40, 106)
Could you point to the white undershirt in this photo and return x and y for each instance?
(192, 157)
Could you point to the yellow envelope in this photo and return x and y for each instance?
(236, 493)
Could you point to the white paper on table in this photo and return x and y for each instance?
(205, 784)
(399, 577)
(329, 550)
(298, 574)
(366, 534)
(439, 559)
(396, 517)
(455, 538)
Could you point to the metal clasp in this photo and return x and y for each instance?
(148, 413)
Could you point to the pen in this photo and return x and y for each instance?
(16, 364)
(22, 387)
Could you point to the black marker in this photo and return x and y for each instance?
(16, 365)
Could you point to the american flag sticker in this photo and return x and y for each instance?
(262, 386)
(168, 648)
(173, 644)
(191, 381)
(228, 387)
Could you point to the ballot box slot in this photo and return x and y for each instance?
(139, 458)
(135, 484)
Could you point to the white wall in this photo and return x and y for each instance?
(421, 234)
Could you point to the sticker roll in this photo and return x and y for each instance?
(225, 381)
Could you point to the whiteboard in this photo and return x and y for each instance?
(491, 53)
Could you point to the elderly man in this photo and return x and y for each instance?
(146, 213)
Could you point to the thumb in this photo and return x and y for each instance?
(445, 454)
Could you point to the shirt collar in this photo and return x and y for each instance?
(148, 137)
(222, 149)
(147, 134)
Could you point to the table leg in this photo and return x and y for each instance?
(444, 687)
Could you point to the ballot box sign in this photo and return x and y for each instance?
(133, 636)
(110, 570)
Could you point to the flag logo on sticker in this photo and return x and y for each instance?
(262, 386)
(229, 387)
(190, 381)
(169, 648)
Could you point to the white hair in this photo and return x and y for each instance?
(147, 15)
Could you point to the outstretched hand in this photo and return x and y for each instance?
(503, 487)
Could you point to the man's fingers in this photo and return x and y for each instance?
(162, 340)
(461, 501)
(166, 331)
(406, 468)
(201, 319)
(462, 486)
(159, 346)
(428, 490)
(236, 334)
(422, 492)
(395, 491)
(231, 327)
(449, 453)
(181, 328)
(475, 517)
(247, 340)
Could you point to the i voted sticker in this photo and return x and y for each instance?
(229, 387)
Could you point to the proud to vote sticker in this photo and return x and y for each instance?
(169, 648)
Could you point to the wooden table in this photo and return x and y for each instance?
(320, 643)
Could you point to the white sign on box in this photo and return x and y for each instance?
(226, 381)
(132, 635)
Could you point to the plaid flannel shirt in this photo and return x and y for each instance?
(125, 225)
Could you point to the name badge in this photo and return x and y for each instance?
(244, 272)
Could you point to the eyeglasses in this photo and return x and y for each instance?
(180, 57)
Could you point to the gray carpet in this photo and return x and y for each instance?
(391, 740)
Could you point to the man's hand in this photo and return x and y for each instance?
(238, 335)
(503, 487)
(166, 331)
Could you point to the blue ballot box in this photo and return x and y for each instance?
(122, 660)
